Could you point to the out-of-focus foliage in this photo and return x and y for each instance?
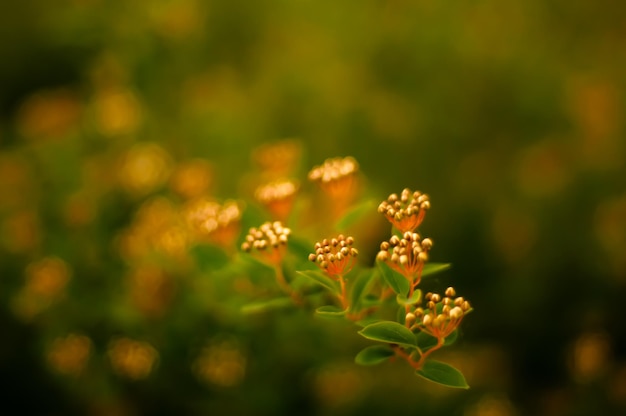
(114, 114)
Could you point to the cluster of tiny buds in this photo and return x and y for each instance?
(335, 256)
(406, 211)
(440, 321)
(276, 190)
(268, 235)
(207, 216)
(408, 254)
(334, 169)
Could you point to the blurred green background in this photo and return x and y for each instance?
(510, 115)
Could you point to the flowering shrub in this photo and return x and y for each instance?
(365, 296)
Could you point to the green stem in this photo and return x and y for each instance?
(282, 282)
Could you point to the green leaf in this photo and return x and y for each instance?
(257, 307)
(209, 257)
(370, 300)
(330, 311)
(415, 298)
(426, 341)
(395, 280)
(442, 373)
(321, 279)
(359, 288)
(374, 354)
(355, 214)
(367, 321)
(253, 261)
(434, 268)
(390, 332)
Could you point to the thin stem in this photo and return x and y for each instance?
(423, 355)
(407, 308)
(402, 354)
(282, 282)
(343, 297)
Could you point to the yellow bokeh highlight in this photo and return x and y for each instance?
(144, 168)
(192, 179)
(117, 111)
(69, 355)
(150, 290)
(590, 356)
(156, 228)
(132, 359)
(221, 362)
(49, 114)
(45, 285)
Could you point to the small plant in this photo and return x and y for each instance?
(337, 287)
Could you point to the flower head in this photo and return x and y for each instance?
(335, 257)
(406, 255)
(442, 315)
(269, 241)
(336, 176)
(405, 212)
(213, 221)
(278, 197)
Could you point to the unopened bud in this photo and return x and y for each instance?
(456, 313)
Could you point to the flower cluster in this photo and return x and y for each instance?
(278, 197)
(269, 241)
(335, 257)
(406, 255)
(336, 176)
(407, 211)
(442, 315)
(213, 221)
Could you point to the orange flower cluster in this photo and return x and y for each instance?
(335, 257)
(269, 241)
(442, 315)
(406, 255)
(407, 211)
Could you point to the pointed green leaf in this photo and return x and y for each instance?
(434, 268)
(355, 214)
(321, 279)
(257, 307)
(395, 280)
(442, 373)
(367, 321)
(390, 332)
(359, 288)
(330, 311)
(404, 301)
(374, 354)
